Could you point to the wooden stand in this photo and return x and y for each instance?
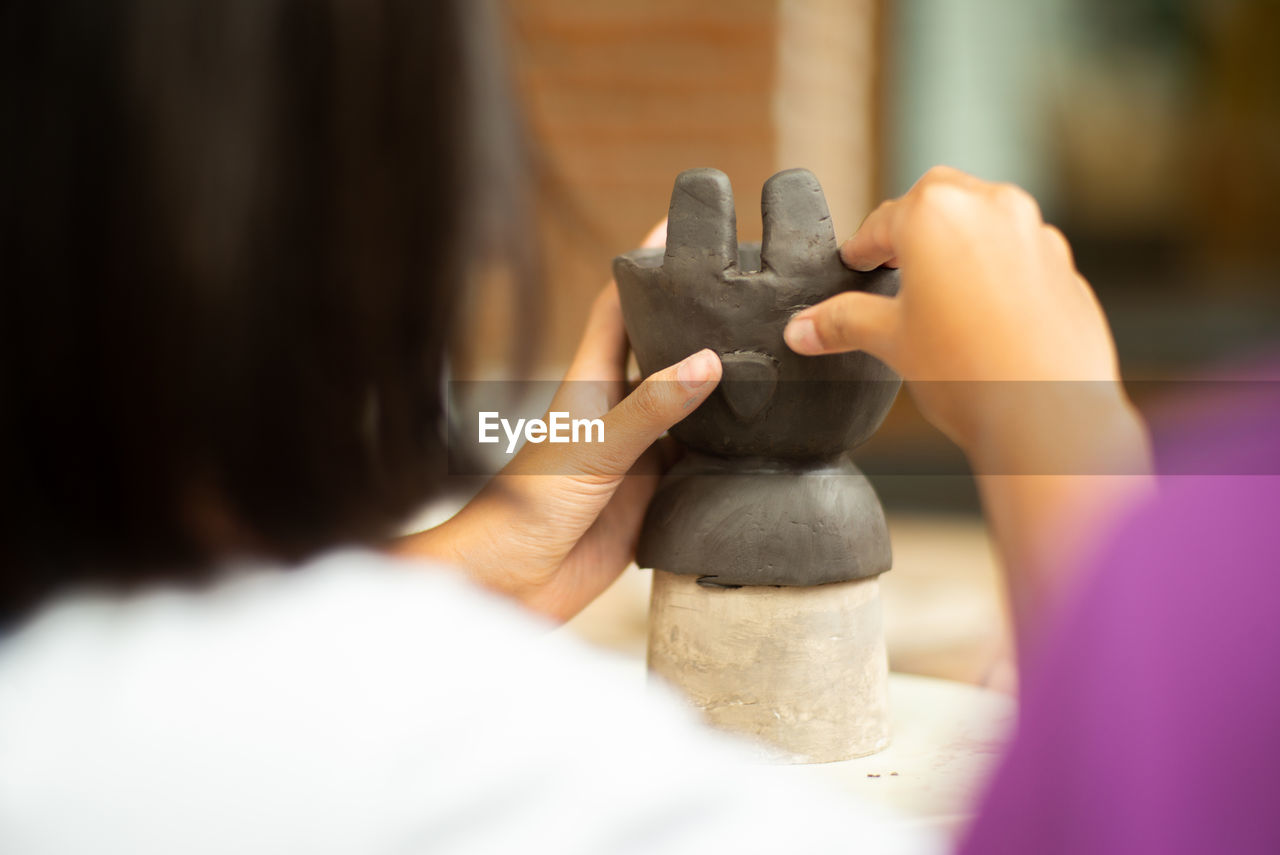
(804, 670)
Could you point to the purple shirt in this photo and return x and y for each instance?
(1150, 719)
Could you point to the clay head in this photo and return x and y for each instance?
(707, 290)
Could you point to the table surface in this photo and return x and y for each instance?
(946, 739)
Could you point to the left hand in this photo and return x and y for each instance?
(560, 522)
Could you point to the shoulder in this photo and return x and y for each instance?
(258, 620)
(267, 652)
(349, 685)
(1147, 694)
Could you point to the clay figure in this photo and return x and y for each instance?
(766, 494)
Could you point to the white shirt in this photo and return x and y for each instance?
(366, 705)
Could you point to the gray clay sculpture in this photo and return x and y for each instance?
(766, 494)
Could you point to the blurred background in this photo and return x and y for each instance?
(1148, 129)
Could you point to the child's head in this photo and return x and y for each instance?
(231, 233)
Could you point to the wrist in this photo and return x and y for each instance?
(436, 544)
(1059, 428)
(489, 543)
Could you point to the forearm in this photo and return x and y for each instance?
(1051, 485)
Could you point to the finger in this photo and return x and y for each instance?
(943, 174)
(609, 545)
(627, 506)
(663, 399)
(594, 382)
(657, 236)
(617, 528)
(1057, 245)
(878, 239)
(854, 320)
(875, 241)
(602, 353)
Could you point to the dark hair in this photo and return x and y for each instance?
(230, 247)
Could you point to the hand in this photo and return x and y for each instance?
(560, 522)
(989, 295)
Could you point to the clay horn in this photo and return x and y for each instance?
(797, 224)
(702, 229)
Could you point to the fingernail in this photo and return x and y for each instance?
(802, 336)
(695, 372)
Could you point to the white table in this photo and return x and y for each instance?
(947, 736)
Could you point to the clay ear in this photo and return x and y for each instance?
(702, 228)
(748, 383)
(798, 236)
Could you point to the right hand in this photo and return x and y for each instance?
(989, 293)
(991, 306)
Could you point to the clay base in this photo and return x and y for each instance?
(737, 521)
(804, 670)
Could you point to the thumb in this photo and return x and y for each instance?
(853, 320)
(664, 398)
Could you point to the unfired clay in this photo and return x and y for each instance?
(766, 495)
